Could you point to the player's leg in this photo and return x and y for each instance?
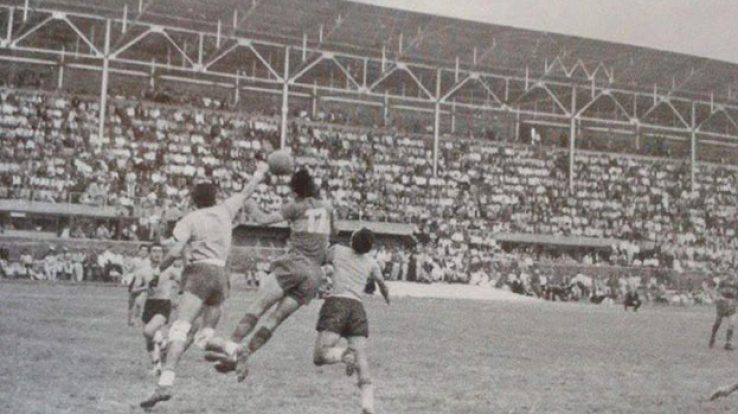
(326, 349)
(286, 307)
(153, 336)
(269, 293)
(139, 304)
(729, 334)
(724, 391)
(224, 350)
(190, 306)
(131, 304)
(204, 331)
(358, 345)
(716, 324)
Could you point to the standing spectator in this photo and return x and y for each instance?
(26, 260)
(102, 232)
(631, 299)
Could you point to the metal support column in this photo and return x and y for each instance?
(437, 123)
(104, 87)
(285, 99)
(693, 145)
(572, 138)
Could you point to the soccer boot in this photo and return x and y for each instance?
(160, 394)
(728, 347)
(242, 366)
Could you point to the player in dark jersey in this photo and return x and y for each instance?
(725, 307)
(293, 280)
(158, 306)
(343, 316)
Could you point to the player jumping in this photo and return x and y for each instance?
(207, 232)
(726, 307)
(158, 306)
(294, 278)
(342, 314)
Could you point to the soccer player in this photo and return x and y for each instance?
(342, 314)
(158, 306)
(137, 287)
(293, 280)
(206, 232)
(725, 307)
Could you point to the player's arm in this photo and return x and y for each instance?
(260, 217)
(235, 202)
(181, 236)
(175, 252)
(376, 275)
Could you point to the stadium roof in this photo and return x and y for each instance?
(367, 29)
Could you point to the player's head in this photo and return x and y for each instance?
(156, 253)
(302, 184)
(143, 251)
(362, 240)
(204, 195)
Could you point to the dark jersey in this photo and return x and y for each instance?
(310, 223)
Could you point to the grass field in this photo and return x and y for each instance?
(67, 349)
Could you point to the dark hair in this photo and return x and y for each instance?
(302, 184)
(151, 248)
(204, 194)
(144, 246)
(362, 240)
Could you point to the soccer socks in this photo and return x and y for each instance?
(367, 396)
(260, 338)
(244, 327)
(715, 328)
(167, 378)
(729, 336)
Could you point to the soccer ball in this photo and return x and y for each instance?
(280, 163)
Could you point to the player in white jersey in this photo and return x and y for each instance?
(136, 287)
(342, 314)
(158, 306)
(293, 280)
(206, 232)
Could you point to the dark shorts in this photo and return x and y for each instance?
(208, 282)
(154, 307)
(343, 316)
(725, 307)
(298, 276)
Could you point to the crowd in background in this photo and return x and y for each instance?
(152, 153)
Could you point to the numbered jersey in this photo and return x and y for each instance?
(310, 223)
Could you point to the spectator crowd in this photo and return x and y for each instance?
(151, 154)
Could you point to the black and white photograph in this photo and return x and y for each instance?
(368, 206)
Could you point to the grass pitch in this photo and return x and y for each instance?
(67, 349)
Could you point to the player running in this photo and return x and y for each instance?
(207, 232)
(158, 306)
(293, 280)
(342, 314)
(137, 286)
(726, 307)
